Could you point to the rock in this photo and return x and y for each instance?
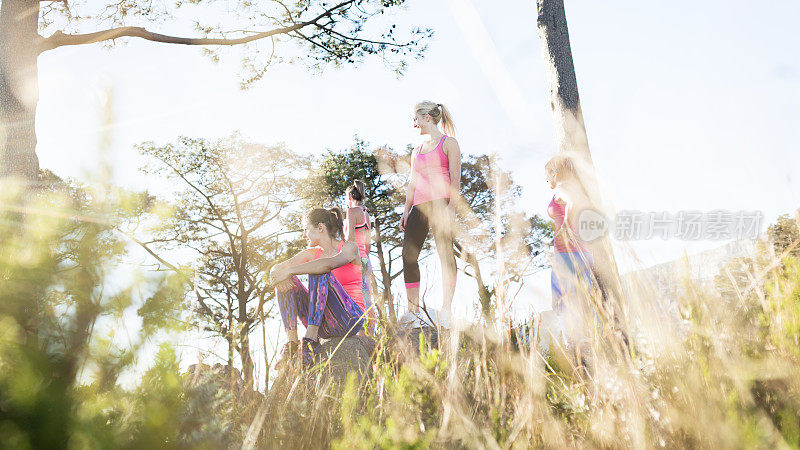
(423, 323)
(351, 354)
(339, 357)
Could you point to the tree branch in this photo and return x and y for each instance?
(60, 39)
(151, 252)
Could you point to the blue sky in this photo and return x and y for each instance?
(688, 105)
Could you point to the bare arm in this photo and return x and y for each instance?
(569, 220)
(453, 152)
(353, 215)
(412, 184)
(369, 238)
(275, 273)
(301, 257)
(348, 253)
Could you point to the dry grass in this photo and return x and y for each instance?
(722, 375)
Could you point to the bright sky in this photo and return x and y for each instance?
(688, 105)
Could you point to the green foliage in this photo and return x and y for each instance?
(400, 408)
(782, 307)
(64, 298)
(196, 410)
(784, 234)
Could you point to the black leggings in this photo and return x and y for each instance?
(420, 219)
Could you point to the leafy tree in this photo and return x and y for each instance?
(322, 32)
(233, 194)
(785, 234)
(741, 278)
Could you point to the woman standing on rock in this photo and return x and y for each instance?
(357, 226)
(571, 277)
(333, 304)
(435, 181)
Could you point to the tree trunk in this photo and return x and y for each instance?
(244, 344)
(244, 352)
(240, 262)
(484, 294)
(19, 88)
(386, 278)
(262, 319)
(571, 133)
(230, 336)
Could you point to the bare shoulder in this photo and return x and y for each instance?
(450, 146)
(350, 250)
(451, 142)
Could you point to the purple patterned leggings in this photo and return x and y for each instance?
(327, 306)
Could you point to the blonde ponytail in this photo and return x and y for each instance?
(438, 113)
(447, 121)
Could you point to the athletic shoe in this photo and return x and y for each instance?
(310, 349)
(409, 320)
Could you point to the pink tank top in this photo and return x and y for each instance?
(361, 235)
(349, 276)
(433, 174)
(557, 212)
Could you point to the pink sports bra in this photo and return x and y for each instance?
(349, 276)
(433, 174)
(361, 235)
(557, 212)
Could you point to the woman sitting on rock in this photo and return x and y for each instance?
(332, 306)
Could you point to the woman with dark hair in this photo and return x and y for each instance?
(357, 229)
(434, 183)
(332, 304)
